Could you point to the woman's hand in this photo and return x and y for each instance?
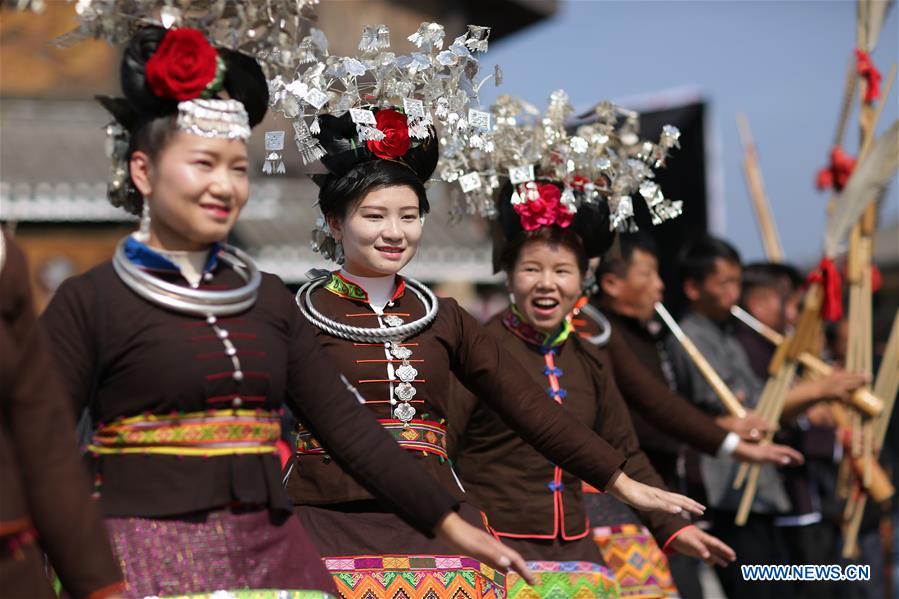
(476, 543)
(695, 543)
(647, 498)
(781, 455)
(751, 427)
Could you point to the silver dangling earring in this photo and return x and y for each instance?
(338, 252)
(143, 234)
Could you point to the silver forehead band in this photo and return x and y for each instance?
(222, 119)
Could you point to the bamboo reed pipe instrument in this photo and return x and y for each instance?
(727, 397)
(753, 173)
(880, 488)
(862, 399)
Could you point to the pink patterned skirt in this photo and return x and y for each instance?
(221, 550)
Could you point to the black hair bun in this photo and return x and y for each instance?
(244, 79)
(339, 138)
(246, 83)
(140, 48)
(590, 222)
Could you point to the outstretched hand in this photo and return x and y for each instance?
(696, 543)
(476, 543)
(751, 427)
(652, 499)
(781, 455)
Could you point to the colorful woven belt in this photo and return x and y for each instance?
(416, 435)
(214, 433)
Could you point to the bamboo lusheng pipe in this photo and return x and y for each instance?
(784, 379)
(730, 401)
(753, 173)
(859, 344)
(862, 398)
(886, 385)
(783, 370)
(764, 409)
(879, 487)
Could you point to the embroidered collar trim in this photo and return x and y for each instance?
(515, 321)
(343, 287)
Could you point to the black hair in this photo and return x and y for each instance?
(783, 278)
(354, 170)
(151, 120)
(618, 258)
(697, 259)
(590, 224)
(554, 236)
(338, 194)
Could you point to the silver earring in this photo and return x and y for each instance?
(143, 234)
(338, 252)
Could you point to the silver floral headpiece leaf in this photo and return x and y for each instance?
(374, 38)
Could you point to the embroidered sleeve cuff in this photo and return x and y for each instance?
(729, 445)
(665, 548)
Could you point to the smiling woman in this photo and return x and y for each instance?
(195, 188)
(181, 337)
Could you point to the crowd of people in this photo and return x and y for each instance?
(566, 448)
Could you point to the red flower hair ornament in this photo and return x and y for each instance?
(540, 205)
(395, 127)
(185, 66)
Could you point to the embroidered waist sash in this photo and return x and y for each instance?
(416, 435)
(213, 433)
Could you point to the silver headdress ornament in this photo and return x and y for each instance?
(269, 30)
(434, 87)
(221, 119)
(602, 162)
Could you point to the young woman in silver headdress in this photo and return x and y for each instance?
(544, 264)
(184, 353)
(399, 346)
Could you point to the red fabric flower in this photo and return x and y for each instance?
(866, 69)
(828, 277)
(543, 211)
(837, 173)
(579, 183)
(563, 216)
(183, 65)
(395, 127)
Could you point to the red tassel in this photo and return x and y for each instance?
(837, 173)
(876, 279)
(829, 278)
(865, 67)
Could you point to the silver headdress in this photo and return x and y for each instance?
(270, 30)
(602, 162)
(436, 88)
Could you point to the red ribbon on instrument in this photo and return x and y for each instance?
(829, 278)
(837, 173)
(865, 67)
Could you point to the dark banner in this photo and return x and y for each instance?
(683, 178)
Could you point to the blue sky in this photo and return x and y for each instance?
(782, 63)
